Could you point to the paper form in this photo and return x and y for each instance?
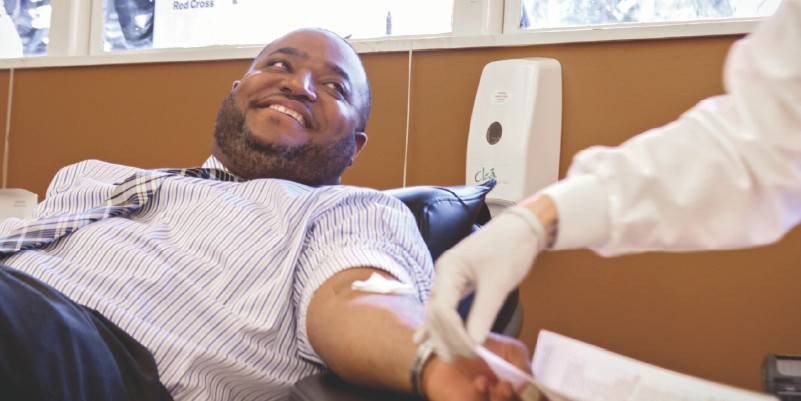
(584, 372)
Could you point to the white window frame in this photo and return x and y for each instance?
(70, 28)
(511, 16)
(98, 27)
(77, 28)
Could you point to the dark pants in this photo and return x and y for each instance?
(53, 349)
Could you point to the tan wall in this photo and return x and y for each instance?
(4, 81)
(611, 91)
(709, 314)
(147, 115)
(380, 165)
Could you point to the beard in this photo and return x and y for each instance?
(309, 164)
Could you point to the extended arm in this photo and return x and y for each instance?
(727, 174)
(367, 339)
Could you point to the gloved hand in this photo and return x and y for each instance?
(492, 261)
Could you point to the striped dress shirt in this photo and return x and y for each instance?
(215, 278)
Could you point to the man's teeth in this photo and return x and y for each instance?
(291, 113)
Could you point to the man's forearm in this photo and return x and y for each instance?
(364, 338)
(367, 339)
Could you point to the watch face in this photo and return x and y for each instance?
(789, 367)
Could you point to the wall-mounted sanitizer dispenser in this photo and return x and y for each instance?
(515, 129)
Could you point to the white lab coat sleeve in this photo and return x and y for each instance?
(727, 174)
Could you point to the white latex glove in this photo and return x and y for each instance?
(492, 261)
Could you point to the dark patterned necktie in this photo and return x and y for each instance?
(129, 196)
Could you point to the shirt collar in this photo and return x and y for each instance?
(213, 162)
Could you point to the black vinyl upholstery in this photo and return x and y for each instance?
(444, 215)
(329, 387)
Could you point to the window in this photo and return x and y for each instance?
(138, 24)
(24, 27)
(571, 13)
(87, 32)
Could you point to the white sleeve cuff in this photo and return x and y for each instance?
(583, 207)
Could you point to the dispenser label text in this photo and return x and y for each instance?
(501, 96)
(484, 174)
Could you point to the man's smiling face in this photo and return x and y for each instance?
(297, 113)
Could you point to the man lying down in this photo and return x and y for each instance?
(230, 282)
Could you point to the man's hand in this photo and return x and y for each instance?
(493, 262)
(470, 378)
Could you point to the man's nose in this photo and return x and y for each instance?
(299, 84)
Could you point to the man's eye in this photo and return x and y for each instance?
(277, 64)
(337, 87)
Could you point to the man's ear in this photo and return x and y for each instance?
(361, 140)
(235, 85)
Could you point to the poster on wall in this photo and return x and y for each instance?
(191, 23)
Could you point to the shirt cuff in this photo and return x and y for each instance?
(583, 207)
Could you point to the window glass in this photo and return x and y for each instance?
(24, 27)
(137, 24)
(570, 13)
